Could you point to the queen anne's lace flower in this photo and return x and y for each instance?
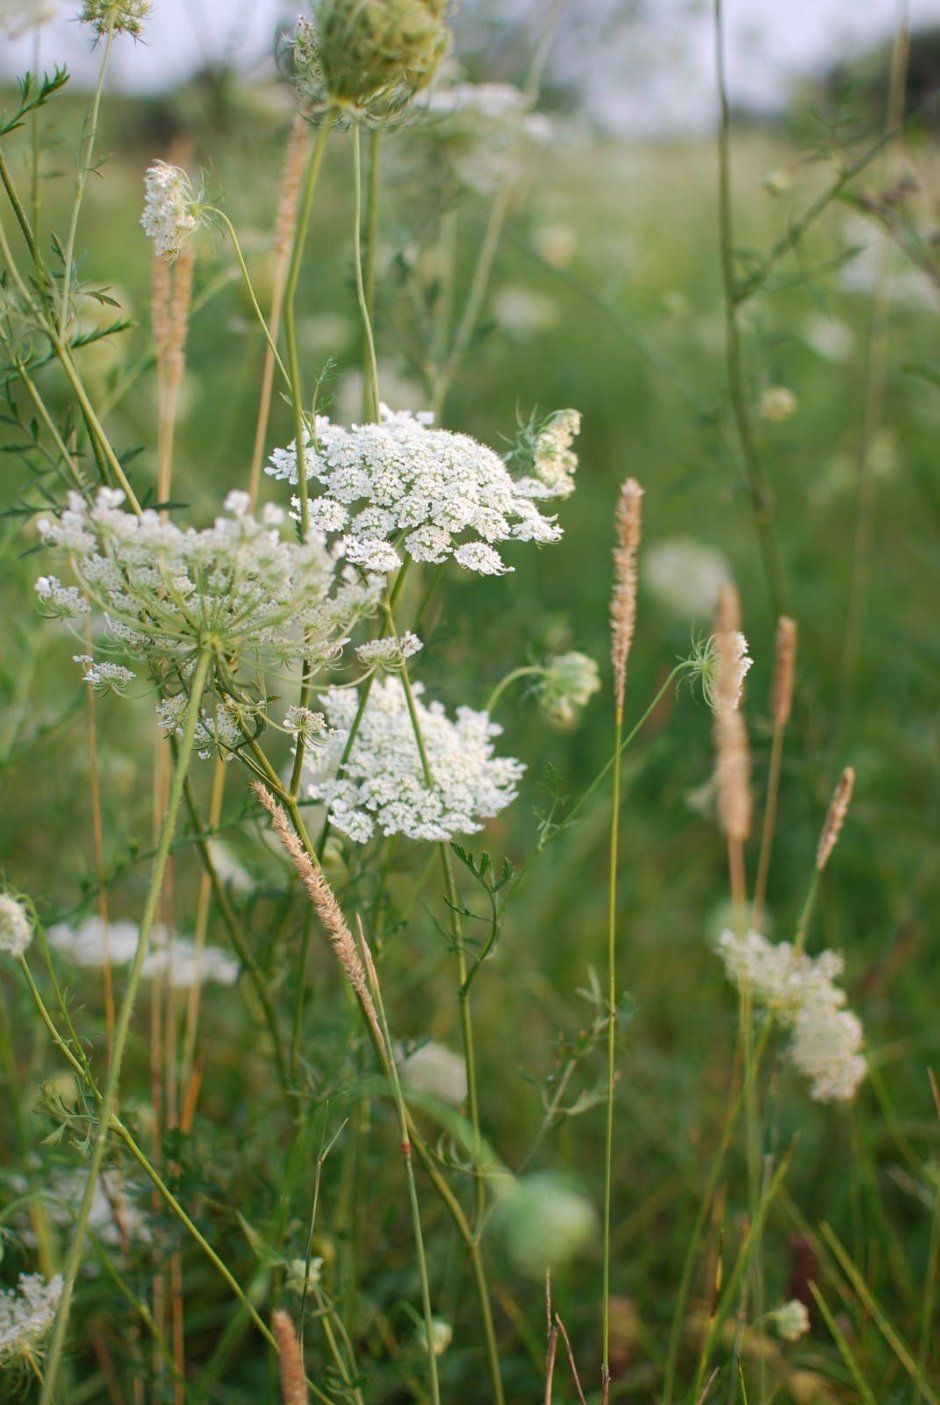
(177, 958)
(26, 1313)
(16, 929)
(434, 493)
(389, 652)
(171, 210)
(801, 993)
(116, 16)
(237, 587)
(709, 661)
(104, 676)
(382, 784)
(566, 684)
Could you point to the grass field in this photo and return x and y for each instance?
(605, 296)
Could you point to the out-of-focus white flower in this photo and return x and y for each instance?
(437, 1071)
(26, 1314)
(524, 314)
(404, 479)
(542, 1222)
(791, 1320)
(92, 944)
(801, 993)
(115, 1208)
(171, 209)
(566, 685)
(301, 1277)
(442, 1334)
(16, 928)
(557, 244)
(485, 129)
(777, 183)
(829, 338)
(228, 869)
(778, 403)
(17, 17)
(382, 784)
(684, 576)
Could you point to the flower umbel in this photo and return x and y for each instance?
(800, 992)
(26, 1314)
(566, 685)
(16, 928)
(382, 784)
(425, 490)
(171, 209)
(116, 16)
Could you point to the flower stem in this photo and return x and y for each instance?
(122, 1028)
(611, 1042)
(84, 166)
(373, 397)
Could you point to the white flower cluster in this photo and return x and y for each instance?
(171, 210)
(184, 966)
(791, 1320)
(237, 587)
(382, 784)
(567, 684)
(26, 1313)
(389, 652)
(555, 460)
(16, 929)
(801, 993)
(684, 576)
(402, 479)
(116, 16)
(485, 129)
(102, 675)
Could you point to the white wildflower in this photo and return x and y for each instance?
(228, 870)
(302, 1277)
(434, 1069)
(801, 993)
(684, 576)
(58, 601)
(16, 928)
(442, 1334)
(389, 652)
(708, 661)
(778, 403)
(555, 460)
(303, 721)
(93, 943)
(484, 129)
(425, 489)
(238, 586)
(27, 1313)
(791, 1320)
(171, 209)
(116, 1207)
(102, 675)
(218, 730)
(382, 784)
(567, 684)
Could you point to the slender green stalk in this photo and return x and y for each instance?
(84, 166)
(758, 490)
(373, 370)
(504, 683)
(391, 1068)
(371, 245)
(77, 1066)
(29, 386)
(611, 1042)
(249, 288)
(122, 1027)
(802, 926)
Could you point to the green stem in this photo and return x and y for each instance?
(84, 166)
(758, 491)
(249, 288)
(360, 286)
(611, 1040)
(372, 229)
(506, 682)
(802, 926)
(29, 386)
(78, 1068)
(122, 1027)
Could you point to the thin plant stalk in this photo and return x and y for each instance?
(122, 1028)
(84, 166)
(372, 399)
(611, 1041)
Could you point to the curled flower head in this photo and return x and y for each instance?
(404, 486)
(801, 993)
(116, 16)
(709, 660)
(367, 59)
(26, 1314)
(390, 652)
(16, 927)
(565, 685)
(382, 784)
(172, 211)
(238, 588)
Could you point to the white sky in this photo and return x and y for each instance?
(652, 74)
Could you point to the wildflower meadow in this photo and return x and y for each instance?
(470, 736)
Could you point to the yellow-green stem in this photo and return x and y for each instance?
(84, 166)
(611, 1041)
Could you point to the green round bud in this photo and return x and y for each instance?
(371, 55)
